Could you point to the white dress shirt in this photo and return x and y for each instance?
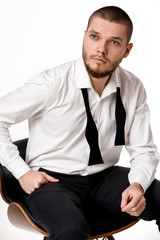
(53, 104)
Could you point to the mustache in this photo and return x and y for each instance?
(100, 57)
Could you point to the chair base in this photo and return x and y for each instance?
(109, 238)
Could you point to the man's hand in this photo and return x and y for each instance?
(133, 201)
(34, 179)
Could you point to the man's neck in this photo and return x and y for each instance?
(99, 84)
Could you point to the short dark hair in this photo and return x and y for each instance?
(114, 14)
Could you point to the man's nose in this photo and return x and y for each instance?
(102, 48)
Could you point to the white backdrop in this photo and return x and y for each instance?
(39, 34)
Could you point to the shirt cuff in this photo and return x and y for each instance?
(141, 180)
(18, 168)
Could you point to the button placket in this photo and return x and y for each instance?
(97, 113)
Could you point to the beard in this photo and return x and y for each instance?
(98, 73)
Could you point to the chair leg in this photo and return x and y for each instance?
(111, 238)
(45, 238)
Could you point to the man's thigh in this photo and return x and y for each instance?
(59, 210)
(107, 188)
(107, 193)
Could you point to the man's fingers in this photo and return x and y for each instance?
(135, 209)
(45, 181)
(135, 206)
(125, 199)
(131, 204)
(49, 178)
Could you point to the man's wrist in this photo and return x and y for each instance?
(136, 184)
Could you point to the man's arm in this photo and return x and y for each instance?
(15, 107)
(139, 144)
(144, 157)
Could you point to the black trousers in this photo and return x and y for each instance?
(65, 209)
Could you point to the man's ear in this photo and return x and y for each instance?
(128, 49)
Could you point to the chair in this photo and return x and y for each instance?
(19, 215)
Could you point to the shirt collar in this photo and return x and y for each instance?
(83, 81)
(81, 76)
(112, 85)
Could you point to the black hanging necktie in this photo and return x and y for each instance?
(92, 133)
(120, 115)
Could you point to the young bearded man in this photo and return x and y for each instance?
(80, 115)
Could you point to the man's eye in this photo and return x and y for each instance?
(93, 36)
(114, 42)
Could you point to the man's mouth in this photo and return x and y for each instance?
(99, 60)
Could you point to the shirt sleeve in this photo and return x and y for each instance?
(140, 146)
(23, 103)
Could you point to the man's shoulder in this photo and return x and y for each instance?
(60, 70)
(50, 75)
(127, 78)
(127, 74)
(131, 86)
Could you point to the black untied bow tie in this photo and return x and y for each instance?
(91, 129)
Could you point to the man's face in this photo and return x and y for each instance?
(104, 47)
